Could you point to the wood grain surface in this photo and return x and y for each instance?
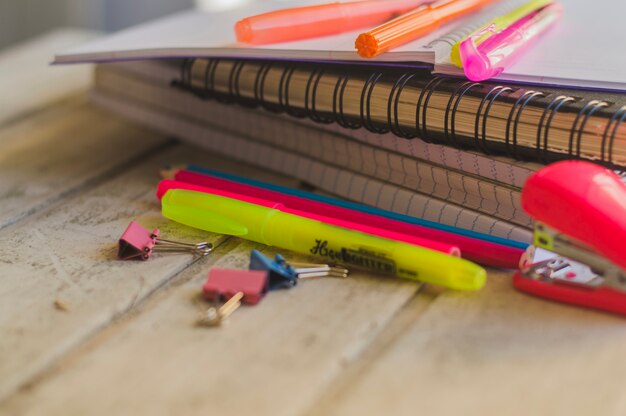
(82, 333)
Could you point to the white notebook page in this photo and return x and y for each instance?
(201, 34)
(584, 49)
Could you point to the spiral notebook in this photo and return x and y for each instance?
(539, 124)
(392, 152)
(456, 183)
(332, 179)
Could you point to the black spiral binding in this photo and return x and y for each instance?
(208, 90)
(184, 82)
(185, 72)
(616, 120)
(527, 97)
(449, 121)
(583, 116)
(263, 69)
(228, 97)
(365, 104)
(236, 75)
(422, 107)
(259, 92)
(552, 108)
(364, 119)
(338, 95)
(283, 94)
(313, 114)
(494, 93)
(392, 109)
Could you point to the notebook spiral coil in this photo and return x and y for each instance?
(517, 109)
(338, 100)
(518, 121)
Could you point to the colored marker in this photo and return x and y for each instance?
(273, 227)
(501, 49)
(497, 25)
(412, 25)
(345, 222)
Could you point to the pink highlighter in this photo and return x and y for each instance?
(168, 184)
(501, 49)
(480, 251)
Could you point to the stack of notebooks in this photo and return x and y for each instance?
(392, 133)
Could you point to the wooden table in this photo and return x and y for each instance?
(82, 333)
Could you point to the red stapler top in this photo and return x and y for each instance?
(582, 200)
(579, 210)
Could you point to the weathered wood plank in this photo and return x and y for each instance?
(61, 150)
(67, 253)
(493, 352)
(274, 357)
(28, 82)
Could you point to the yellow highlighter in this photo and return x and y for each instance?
(498, 24)
(273, 227)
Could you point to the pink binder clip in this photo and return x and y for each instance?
(223, 284)
(139, 243)
(580, 213)
(500, 50)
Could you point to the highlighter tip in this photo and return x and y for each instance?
(477, 277)
(480, 278)
(470, 276)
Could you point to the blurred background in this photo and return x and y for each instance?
(24, 19)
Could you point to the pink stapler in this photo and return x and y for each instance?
(579, 255)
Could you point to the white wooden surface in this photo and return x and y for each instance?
(51, 155)
(72, 177)
(26, 78)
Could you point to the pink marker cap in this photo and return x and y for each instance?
(500, 50)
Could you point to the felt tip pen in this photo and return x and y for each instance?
(273, 227)
(346, 222)
(319, 20)
(412, 25)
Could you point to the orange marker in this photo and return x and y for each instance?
(412, 25)
(321, 20)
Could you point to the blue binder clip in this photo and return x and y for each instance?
(281, 274)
